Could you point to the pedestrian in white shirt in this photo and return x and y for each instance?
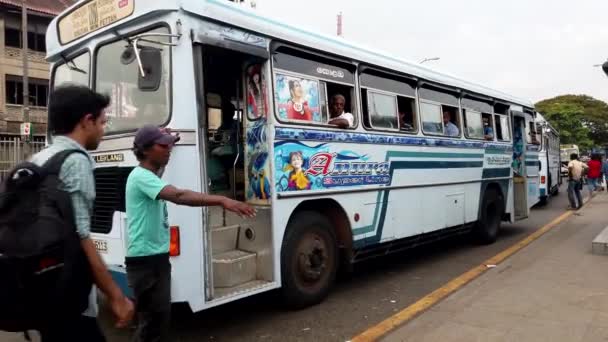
(338, 116)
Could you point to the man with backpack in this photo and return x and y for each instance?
(77, 120)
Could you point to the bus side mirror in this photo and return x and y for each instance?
(151, 63)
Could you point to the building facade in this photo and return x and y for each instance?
(40, 13)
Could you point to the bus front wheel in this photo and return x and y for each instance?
(492, 208)
(309, 260)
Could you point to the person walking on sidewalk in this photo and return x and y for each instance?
(147, 261)
(595, 171)
(605, 172)
(576, 171)
(77, 120)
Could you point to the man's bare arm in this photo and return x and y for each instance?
(121, 306)
(197, 199)
(342, 123)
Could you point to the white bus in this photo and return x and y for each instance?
(549, 157)
(250, 98)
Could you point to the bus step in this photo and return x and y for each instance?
(224, 239)
(223, 292)
(233, 268)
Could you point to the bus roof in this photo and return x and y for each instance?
(250, 20)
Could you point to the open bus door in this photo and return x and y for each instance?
(238, 256)
(520, 186)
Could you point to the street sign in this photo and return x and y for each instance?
(26, 129)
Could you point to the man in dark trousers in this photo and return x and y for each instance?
(148, 266)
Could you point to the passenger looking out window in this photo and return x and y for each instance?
(449, 128)
(338, 116)
(488, 131)
(406, 114)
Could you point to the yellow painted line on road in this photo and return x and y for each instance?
(378, 331)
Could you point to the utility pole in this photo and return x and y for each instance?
(26, 90)
(339, 25)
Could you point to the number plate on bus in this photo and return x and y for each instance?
(101, 246)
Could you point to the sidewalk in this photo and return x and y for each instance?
(552, 290)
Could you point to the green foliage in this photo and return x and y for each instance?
(580, 119)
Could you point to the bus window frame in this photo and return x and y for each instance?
(465, 122)
(71, 58)
(386, 93)
(353, 101)
(441, 105)
(366, 69)
(508, 121)
(116, 38)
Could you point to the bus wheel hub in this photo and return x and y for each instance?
(312, 258)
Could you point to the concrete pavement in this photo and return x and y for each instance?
(553, 290)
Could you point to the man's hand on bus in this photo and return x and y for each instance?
(240, 208)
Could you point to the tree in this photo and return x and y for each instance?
(580, 119)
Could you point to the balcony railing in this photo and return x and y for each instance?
(16, 53)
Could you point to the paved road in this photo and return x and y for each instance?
(376, 290)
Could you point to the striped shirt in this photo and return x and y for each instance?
(77, 176)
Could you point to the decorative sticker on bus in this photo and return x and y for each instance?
(256, 163)
(298, 99)
(91, 16)
(257, 102)
(303, 167)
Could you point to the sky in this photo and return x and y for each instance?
(533, 49)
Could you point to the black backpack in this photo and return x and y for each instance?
(44, 273)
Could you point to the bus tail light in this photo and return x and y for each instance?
(174, 247)
(542, 180)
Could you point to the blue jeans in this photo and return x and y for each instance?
(592, 183)
(574, 194)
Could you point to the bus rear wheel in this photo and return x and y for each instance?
(492, 209)
(309, 260)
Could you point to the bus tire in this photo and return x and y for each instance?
(492, 209)
(309, 260)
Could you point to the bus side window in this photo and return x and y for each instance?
(431, 118)
(407, 114)
(334, 89)
(502, 128)
(532, 135)
(489, 133)
(298, 98)
(473, 124)
(381, 110)
(388, 101)
(451, 126)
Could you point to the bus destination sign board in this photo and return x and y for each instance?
(91, 16)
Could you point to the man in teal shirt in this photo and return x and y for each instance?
(148, 266)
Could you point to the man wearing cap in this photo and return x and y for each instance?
(147, 261)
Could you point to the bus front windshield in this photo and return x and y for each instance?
(132, 107)
(74, 71)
